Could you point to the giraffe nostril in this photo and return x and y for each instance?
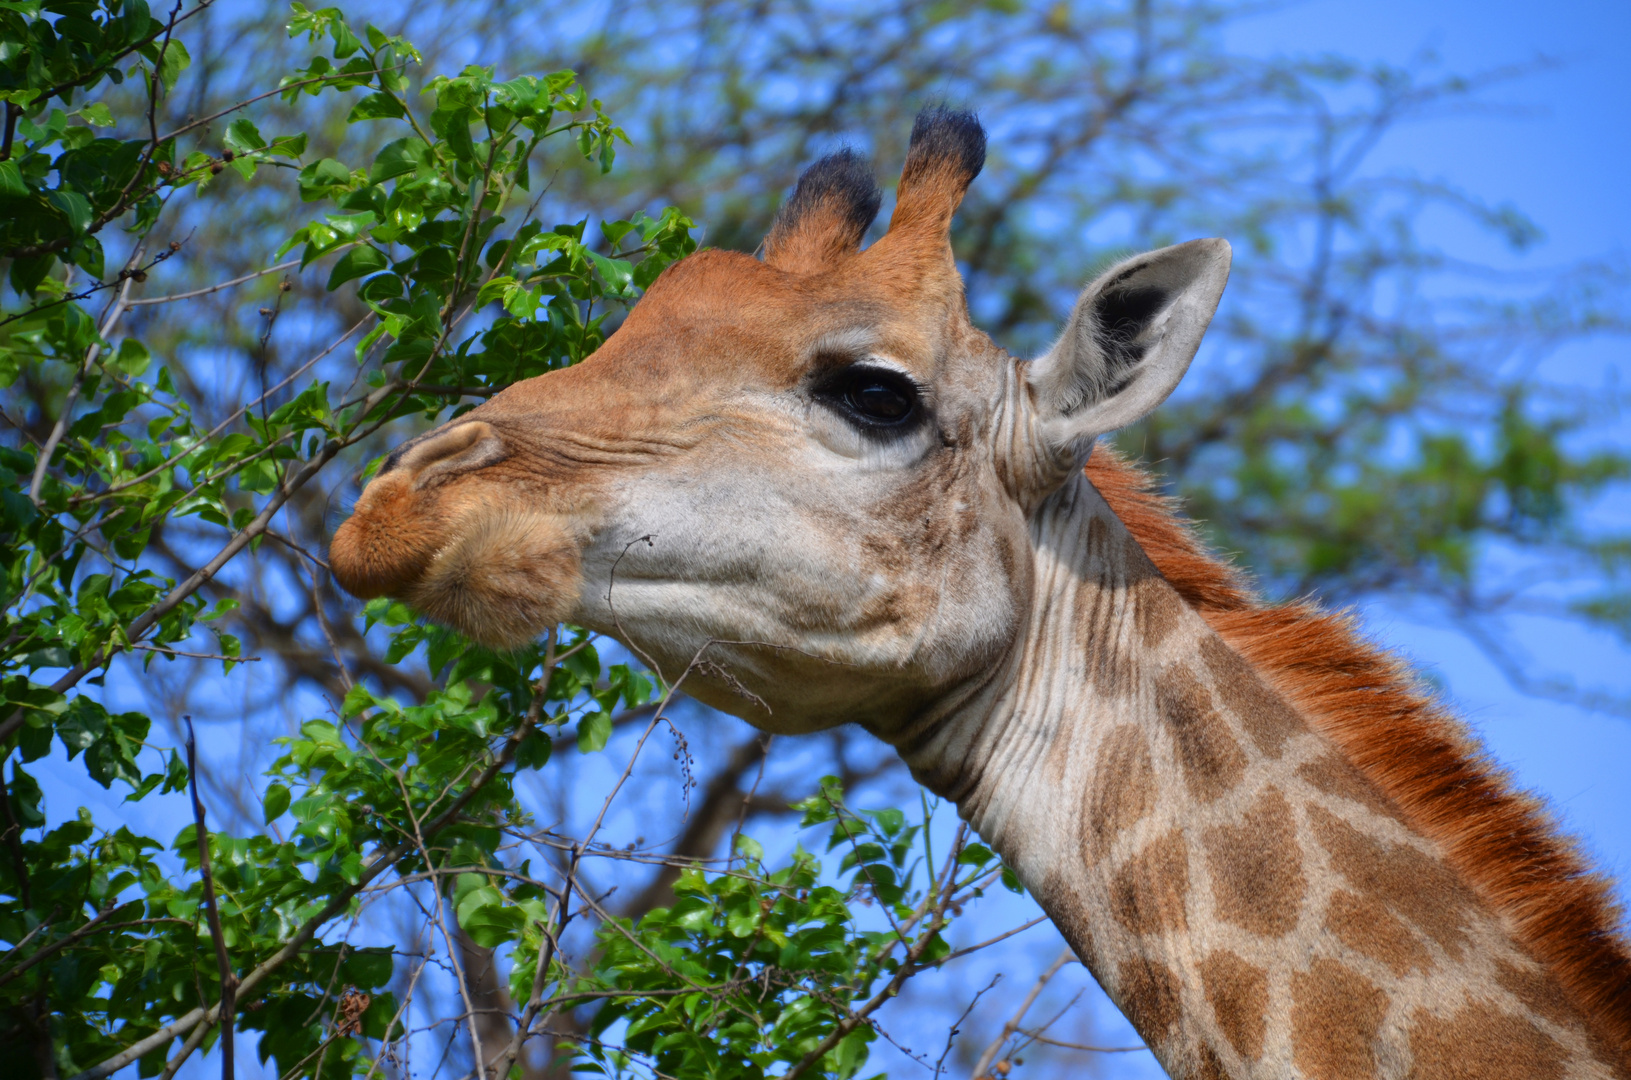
(468, 445)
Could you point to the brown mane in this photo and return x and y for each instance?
(1504, 842)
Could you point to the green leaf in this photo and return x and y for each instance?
(173, 62)
(458, 135)
(132, 357)
(73, 206)
(243, 136)
(345, 40)
(534, 751)
(290, 146)
(356, 263)
(397, 158)
(81, 726)
(593, 732)
(97, 114)
(29, 272)
(351, 226)
(356, 700)
(274, 802)
(617, 273)
(11, 180)
(975, 855)
(321, 177)
(376, 106)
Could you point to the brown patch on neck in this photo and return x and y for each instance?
(1499, 841)
(1239, 995)
(1263, 713)
(1336, 1014)
(1149, 993)
(1212, 761)
(1365, 925)
(1149, 894)
(1122, 791)
(1257, 868)
(1334, 776)
(1156, 610)
(1480, 1043)
(1416, 886)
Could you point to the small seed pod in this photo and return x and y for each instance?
(227, 155)
(1003, 1068)
(215, 168)
(285, 286)
(140, 275)
(164, 168)
(175, 245)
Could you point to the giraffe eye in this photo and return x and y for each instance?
(875, 396)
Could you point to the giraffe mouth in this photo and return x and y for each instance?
(467, 556)
(387, 542)
(504, 580)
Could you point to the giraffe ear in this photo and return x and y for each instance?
(1129, 340)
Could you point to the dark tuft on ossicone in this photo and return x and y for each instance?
(842, 183)
(941, 135)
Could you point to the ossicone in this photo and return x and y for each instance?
(946, 153)
(831, 207)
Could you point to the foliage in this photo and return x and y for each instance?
(463, 289)
(246, 250)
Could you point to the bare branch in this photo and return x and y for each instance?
(983, 1065)
(229, 981)
(218, 287)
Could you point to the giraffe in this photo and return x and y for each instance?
(1277, 856)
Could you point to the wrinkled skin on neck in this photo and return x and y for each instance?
(699, 489)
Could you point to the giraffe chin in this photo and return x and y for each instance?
(503, 580)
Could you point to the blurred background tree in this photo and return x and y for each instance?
(1370, 416)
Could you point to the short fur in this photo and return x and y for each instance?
(1502, 841)
(831, 208)
(946, 153)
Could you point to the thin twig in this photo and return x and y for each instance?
(131, 272)
(142, 646)
(67, 940)
(202, 121)
(988, 942)
(407, 999)
(549, 946)
(239, 541)
(229, 982)
(66, 417)
(984, 1064)
(222, 426)
(908, 968)
(951, 1036)
(1037, 1036)
(42, 928)
(214, 288)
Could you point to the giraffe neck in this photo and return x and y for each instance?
(1253, 903)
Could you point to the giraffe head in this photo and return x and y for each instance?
(814, 462)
